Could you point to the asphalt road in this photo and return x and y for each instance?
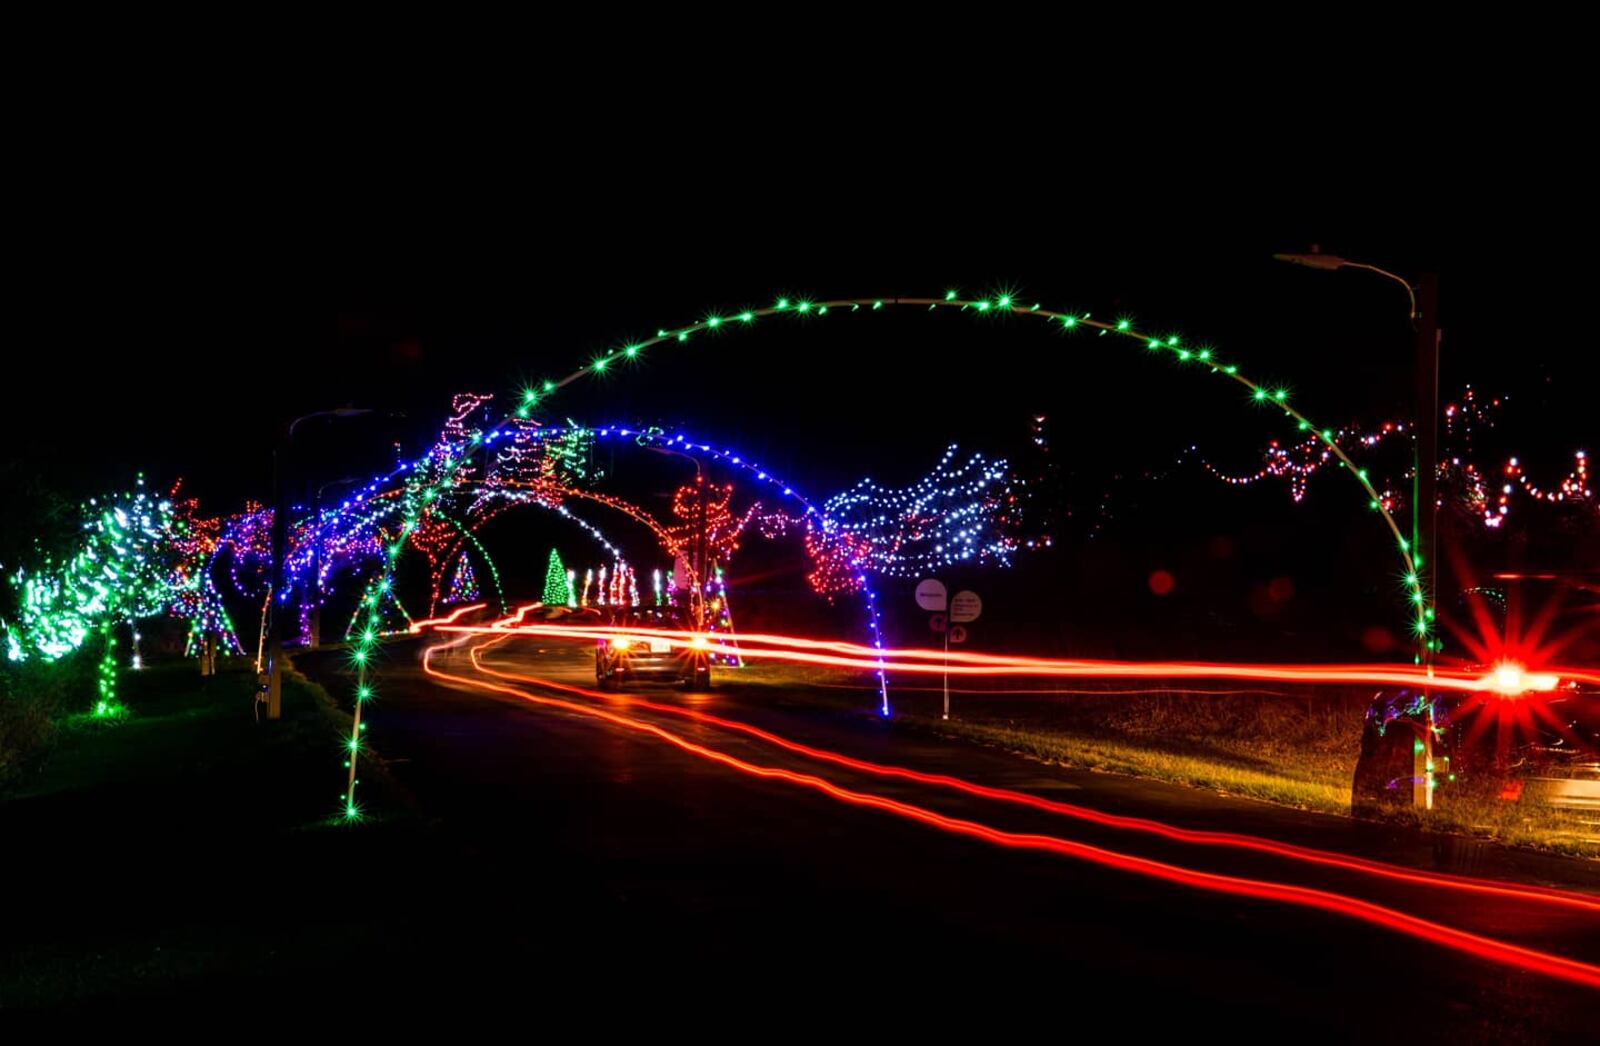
(665, 876)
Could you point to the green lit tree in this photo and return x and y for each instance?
(555, 581)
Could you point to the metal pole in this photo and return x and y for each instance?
(314, 586)
(947, 660)
(280, 545)
(1427, 438)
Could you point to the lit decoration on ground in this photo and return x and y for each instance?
(136, 558)
(463, 584)
(557, 589)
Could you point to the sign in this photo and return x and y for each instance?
(930, 594)
(966, 606)
(936, 623)
(958, 634)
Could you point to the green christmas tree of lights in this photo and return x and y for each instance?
(555, 581)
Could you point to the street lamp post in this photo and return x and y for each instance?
(280, 548)
(1424, 303)
(315, 617)
(697, 556)
(1424, 298)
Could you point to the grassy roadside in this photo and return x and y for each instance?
(1295, 747)
(186, 847)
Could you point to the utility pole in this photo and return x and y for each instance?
(700, 554)
(1425, 535)
(277, 604)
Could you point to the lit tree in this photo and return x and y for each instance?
(555, 581)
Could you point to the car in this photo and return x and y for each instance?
(621, 660)
(1527, 739)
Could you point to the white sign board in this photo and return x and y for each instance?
(930, 594)
(966, 606)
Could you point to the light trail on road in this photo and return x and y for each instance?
(1486, 948)
(1541, 895)
(931, 662)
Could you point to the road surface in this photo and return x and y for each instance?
(662, 870)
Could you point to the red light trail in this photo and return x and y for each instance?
(1486, 948)
(1543, 895)
(851, 655)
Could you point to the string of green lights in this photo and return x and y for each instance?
(1263, 394)
(421, 493)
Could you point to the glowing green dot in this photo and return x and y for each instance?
(1327, 434)
(1184, 354)
(983, 306)
(1123, 325)
(949, 295)
(747, 316)
(1004, 301)
(714, 321)
(599, 364)
(1204, 354)
(804, 306)
(683, 335)
(877, 304)
(549, 386)
(783, 303)
(631, 351)
(1261, 394)
(822, 311)
(1069, 322)
(1280, 394)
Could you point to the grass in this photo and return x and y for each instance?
(1295, 746)
(185, 845)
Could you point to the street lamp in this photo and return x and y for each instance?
(1424, 299)
(697, 563)
(316, 556)
(1317, 260)
(280, 547)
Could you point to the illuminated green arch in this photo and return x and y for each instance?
(420, 491)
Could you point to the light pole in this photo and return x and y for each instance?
(315, 617)
(697, 557)
(1424, 300)
(1424, 304)
(280, 547)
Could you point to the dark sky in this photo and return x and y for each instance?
(176, 340)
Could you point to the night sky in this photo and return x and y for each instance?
(175, 339)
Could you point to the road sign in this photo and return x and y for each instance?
(966, 606)
(936, 622)
(958, 634)
(930, 594)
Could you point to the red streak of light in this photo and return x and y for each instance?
(1542, 895)
(872, 659)
(1486, 948)
(449, 619)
